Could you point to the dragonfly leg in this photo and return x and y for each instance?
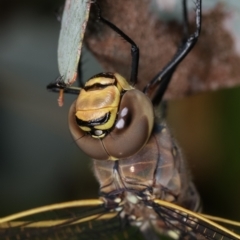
(60, 86)
(159, 83)
(134, 47)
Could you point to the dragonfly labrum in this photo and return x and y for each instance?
(145, 190)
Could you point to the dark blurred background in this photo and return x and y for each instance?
(40, 163)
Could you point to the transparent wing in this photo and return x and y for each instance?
(88, 219)
(190, 225)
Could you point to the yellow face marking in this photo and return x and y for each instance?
(100, 80)
(86, 129)
(100, 97)
(122, 82)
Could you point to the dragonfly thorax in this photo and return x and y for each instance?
(157, 171)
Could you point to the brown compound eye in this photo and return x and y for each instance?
(91, 146)
(129, 134)
(133, 126)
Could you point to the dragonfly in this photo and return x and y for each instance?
(145, 192)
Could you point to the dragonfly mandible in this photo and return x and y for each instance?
(138, 164)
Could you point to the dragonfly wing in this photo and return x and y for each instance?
(89, 219)
(186, 224)
(70, 223)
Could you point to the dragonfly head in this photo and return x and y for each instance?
(97, 103)
(110, 119)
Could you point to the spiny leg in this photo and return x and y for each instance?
(134, 47)
(60, 86)
(162, 79)
(185, 20)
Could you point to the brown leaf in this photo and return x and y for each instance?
(212, 64)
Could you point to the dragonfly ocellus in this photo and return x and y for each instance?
(144, 189)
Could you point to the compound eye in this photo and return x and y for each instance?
(91, 146)
(133, 126)
(130, 133)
